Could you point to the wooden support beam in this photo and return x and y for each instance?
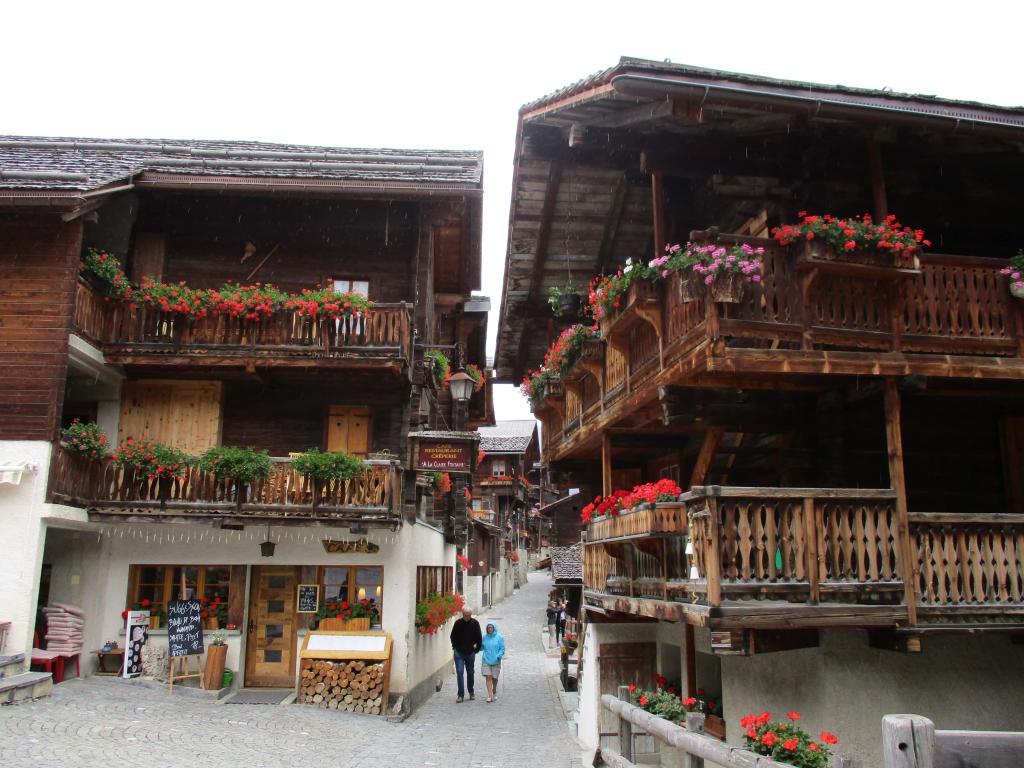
(540, 256)
(708, 449)
(897, 481)
(606, 464)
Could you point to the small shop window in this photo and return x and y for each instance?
(355, 582)
(156, 585)
(433, 578)
(498, 468)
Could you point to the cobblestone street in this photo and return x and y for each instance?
(101, 722)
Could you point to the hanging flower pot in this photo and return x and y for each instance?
(691, 286)
(569, 304)
(727, 287)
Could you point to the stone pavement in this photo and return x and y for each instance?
(101, 723)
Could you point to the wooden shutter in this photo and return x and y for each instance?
(185, 414)
(349, 429)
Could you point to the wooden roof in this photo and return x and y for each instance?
(582, 198)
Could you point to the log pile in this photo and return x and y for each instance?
(351, 686)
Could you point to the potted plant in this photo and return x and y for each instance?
(323, 467)
(727, 269)
(440, 366)
(151, 460)
(474, 372)
(216, 656)
(565, 300)
(857, 240)
(156, 614)
(1015, 272)
(104, 272)
(213, 612)
(85, 439)
(679, 261)
(786, 742)
(242, 466)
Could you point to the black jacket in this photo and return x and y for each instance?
(466, 636)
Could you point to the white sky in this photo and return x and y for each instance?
(452, 75)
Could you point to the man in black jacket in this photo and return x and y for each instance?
(466, 639)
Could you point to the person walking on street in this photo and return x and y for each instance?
(562, 617)
(552, 622)
(466, 640)
(490, 666)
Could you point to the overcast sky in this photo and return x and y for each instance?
(452, 75)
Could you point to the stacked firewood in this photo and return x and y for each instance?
(351, 686)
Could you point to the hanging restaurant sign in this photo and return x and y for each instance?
(342, 547)
(445, 451)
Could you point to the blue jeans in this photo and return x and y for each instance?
(464, 662)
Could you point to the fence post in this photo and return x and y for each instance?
(625, 728)
(908, 741)
(694, 725)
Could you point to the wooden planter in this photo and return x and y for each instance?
(714, 726)
(212, 623)
(213, 675)
(819, 253)
(591, 360)
(343, 625)
(1017, 289)
(154, 622)
(553, 392)
(691, 286)
(728, 288)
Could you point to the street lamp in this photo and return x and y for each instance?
(461, 386)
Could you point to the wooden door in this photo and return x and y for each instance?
(185, 414)
(624, 664)
(348, 429)
(270, 644)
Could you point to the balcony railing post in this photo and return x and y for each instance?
(812, 531)
(713, 559)
(694, 725)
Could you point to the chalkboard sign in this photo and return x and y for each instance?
(184, 628)
(309, 598)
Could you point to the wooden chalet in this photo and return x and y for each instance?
(849, 436)
(400, 228)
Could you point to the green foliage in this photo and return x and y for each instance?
(85, 439)
(555, 294)
(328, 465)
(243, 465)
(433, 611)
(442, 366)
(107, 270)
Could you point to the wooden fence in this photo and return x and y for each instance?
(911, 741)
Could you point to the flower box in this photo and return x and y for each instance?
(1017, 290)
(590, 360)
(642, 303)
(553, 391)
(714, 726)
(817, 253)
(690, 285)
(727, 288)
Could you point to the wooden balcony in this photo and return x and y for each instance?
(785, 558)
(130, 334)
(115, 494)
(954, 317)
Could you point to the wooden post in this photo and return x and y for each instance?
(706, 455)
(908, 741)
(691, 660)
(878, 195)
(658, 206)
(606, 464)
(897, 481)
(695, 725)
(625, 728)
(712, 559)
(811, 533)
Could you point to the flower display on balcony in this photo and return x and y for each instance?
(860, 233)
(85, 439)
(561, 355)
(328, 465)
(433, 611)
(152, 459)
(666, 702)
(248, 302)
(786, 742)
(713, 261)
(243, 465)
(662, 490)
(343, 609)
(605, 292)
(1015, 272)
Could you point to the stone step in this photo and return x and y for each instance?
(11, 664)
(25, 687)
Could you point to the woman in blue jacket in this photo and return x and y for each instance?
(490, 666)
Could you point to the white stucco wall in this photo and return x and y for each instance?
(24, 515)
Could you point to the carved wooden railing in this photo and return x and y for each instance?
(108, 489)
(968, 564)
(126, 328)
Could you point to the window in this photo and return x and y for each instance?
(353, 582)
(362, 287)
(159, 584)
(433, 578)
(498, 468)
